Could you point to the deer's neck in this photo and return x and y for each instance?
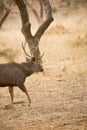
(27, 68)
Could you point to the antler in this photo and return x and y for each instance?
(23, 46)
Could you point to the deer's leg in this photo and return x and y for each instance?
(23, 88)
(11, 94)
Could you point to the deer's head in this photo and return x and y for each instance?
(32, 62)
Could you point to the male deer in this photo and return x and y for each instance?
(14, 74)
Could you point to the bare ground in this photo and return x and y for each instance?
(59, 102)
(59, 96)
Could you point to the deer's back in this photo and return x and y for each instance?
(11, 74)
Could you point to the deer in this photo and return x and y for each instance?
(14, 74)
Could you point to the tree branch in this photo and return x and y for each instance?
(41, 9)
(48, 20)
(7, 11)
(23, 11)
(4, 17)
(43, 28)
(26, 26)
(34, 11)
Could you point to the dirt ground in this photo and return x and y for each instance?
(59, 96)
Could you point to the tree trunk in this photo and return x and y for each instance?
(33, 41)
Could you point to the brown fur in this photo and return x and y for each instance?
(14, 74)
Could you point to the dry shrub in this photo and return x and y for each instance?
(81, 40)
(76, 40)
(7, 53)
(57, 29)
